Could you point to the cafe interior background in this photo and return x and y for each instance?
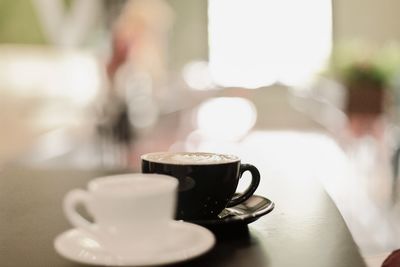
(96, 83)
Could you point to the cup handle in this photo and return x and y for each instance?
(255, 181)
(71, 200)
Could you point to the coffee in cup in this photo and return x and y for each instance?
(128, 210)
(207, 181)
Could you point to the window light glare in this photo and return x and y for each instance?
(255, 43)
(196, 74)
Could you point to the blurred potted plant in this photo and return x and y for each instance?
(368, 74)
(366, 87)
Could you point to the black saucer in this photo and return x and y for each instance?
(244, 213)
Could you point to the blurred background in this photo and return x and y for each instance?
(303, 88)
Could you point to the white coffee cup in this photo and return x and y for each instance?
(130, 211)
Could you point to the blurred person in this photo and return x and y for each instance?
(135, 71)
(139, 38)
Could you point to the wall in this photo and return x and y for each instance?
(189, 38)
(372, 20)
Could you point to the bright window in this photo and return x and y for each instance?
(255, 43)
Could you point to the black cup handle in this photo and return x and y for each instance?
(255, 181)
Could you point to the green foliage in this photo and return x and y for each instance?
(358, 61)
(19, 23)
(365, 73)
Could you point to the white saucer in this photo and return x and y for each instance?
(183, 242)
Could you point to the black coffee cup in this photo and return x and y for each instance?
(207, 181)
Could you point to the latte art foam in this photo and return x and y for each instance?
(187, 158)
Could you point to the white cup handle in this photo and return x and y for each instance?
(71, 200)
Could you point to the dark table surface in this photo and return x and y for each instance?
(304, 230)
